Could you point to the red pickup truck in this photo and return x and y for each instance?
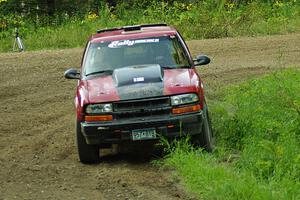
(138, 83)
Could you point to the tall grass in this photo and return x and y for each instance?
(257, 126)
(201, 19)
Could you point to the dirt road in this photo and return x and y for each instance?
(38, 158)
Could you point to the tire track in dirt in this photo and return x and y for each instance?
(38, 158)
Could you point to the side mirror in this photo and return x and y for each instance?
(72, 74)
(201, 60)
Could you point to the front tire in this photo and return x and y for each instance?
(88, 154)
(205, 138)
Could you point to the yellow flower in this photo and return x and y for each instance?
(189, 7)
(3, 1)
(92, 16)
(230, 5)
(278, 4)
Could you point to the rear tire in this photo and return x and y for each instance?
(205, 138)
(88, 154)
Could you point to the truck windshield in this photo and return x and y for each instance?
(166, 51)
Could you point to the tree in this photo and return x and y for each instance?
(51, 7)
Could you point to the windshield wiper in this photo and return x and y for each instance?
(175, 67)
(168, 67)
(100, 72)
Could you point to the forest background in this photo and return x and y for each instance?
(64, 24)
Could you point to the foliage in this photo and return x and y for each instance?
(264, 123)
(194, 19)
(257, 126)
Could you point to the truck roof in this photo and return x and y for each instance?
(132, 32)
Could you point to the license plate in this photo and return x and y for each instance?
(143, 134)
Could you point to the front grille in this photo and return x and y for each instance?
(142, 108)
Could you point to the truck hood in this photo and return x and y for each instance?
(141, 81)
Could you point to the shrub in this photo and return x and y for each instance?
(194, 19)
(264, 123)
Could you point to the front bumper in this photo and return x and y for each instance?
(120, 130)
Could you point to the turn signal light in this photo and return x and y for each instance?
(98, 118)
(186, 109)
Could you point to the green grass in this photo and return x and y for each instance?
(257, 156)
(201, 19)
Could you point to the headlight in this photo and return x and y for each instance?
(98, 108)
(184, 99)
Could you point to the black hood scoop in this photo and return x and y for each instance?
(139, 81)
(138, 74)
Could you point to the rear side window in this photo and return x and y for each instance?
(166, 51)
